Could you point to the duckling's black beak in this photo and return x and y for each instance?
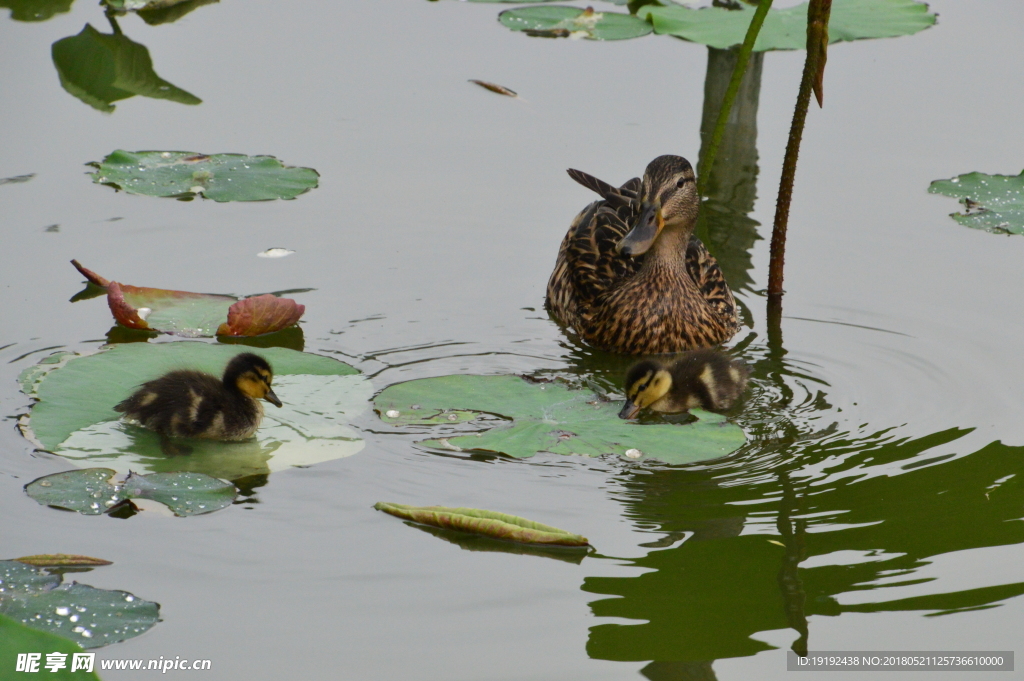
(646, 229)
(272, 398)
(629, 410)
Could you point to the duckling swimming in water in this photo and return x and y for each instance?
(701, 379)
(195, 404)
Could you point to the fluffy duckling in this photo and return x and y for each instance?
(701, 379)
(195, 404)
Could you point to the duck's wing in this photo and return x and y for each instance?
(615, 197)
(594, 263)
(705, 272)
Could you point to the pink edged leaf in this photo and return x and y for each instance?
(125, 314)
(90, 275)
(259, 315)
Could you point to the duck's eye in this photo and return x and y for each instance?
(680, 183)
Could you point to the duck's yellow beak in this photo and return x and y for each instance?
(644, 232)
(272, 398)
(629, 410)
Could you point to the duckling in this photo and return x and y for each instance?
(630, 276)
(701, 379)
(195, 404)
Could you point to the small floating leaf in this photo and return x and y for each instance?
(62, 560)
(193, 315)
(561, 21)
(526, 418)
(274, 253)
(17, 639)
(101, 68)
(221, 177)
(88, 616)
(488, 523)
(92, 491)
(259, 315)
(786, 29)
(17, 179)
(74, 414)
(500, 89)
(994, 203)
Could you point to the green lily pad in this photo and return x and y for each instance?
(533, 418)
(88, 616)
(486, 523)
(74, 416)
(17, 639)
(786, 29)
(186, 174)
(36, 10)
(101, 68)
(92, 491)
(572, 22)
(994, 203)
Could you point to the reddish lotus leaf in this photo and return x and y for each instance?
(90, 275)
(259, 315)
(125, 314)
(188, 314)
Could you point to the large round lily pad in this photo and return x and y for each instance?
(546, 417)
(994, 203)
(74, 416)
(186, 174)
(88, 616)
(786, 29)
(572, 22)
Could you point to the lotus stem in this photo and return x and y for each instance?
(817, 40)
(730, 94)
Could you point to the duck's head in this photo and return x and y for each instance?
(646, 383)
(668, 200)
(252, 376)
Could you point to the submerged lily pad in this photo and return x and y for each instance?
(572, 22)
(547, 418)
(92, 491)
(74, 416)
(88, 616)
(487, 523)
(18, 639)
(994, 203)
(102, 68)
(193, 315)
(786, 29)
(186, 174)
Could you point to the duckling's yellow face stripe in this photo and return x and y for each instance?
(650, 388)
(253, 384)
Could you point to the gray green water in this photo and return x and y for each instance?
(886, 443)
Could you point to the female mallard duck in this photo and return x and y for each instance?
(196, 404)
(631, 277)
(701, 379)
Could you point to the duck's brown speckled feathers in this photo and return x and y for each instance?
(195, 404)
(670, 298)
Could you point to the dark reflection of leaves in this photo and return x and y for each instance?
(36, 10)
(470, 542)
(101, 68)
(17, 179)
(732, 186)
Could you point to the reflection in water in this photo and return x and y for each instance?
(102, 68)
(805, 520)
(36, 10)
